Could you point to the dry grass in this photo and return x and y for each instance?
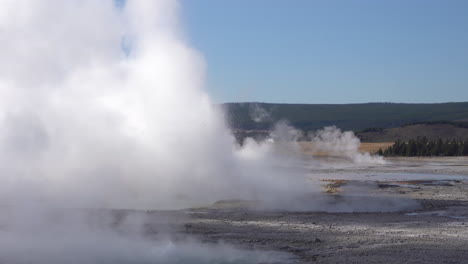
(308, 148)
(374, 147)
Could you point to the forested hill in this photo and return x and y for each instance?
(261, 116)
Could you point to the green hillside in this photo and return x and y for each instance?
(306, 117)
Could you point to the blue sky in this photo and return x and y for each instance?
(330, 51)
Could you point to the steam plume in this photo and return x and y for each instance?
(335, 142)
(102, 106)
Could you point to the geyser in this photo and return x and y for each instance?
(102, 106)
(89, 123)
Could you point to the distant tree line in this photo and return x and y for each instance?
(460, 124)
(355, 117)
(370, 129)
(421, 146)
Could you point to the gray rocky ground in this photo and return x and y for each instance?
(436, 232)
(409, 210)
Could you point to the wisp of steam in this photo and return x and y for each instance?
(102, 107)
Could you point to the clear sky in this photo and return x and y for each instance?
(331, 51)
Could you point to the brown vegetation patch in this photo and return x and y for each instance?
(374, 147)
(309, 149)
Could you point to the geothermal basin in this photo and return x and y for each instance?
(435, 230)
(407, 210)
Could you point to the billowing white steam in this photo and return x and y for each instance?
(333, 141)
(102, 106)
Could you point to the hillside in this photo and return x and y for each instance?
(432, 131)
(261, 116)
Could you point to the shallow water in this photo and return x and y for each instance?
(452, 212)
